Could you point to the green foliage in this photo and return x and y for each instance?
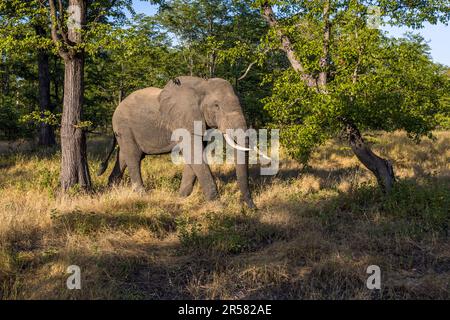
(48, 180)
(9, 122)
(443, 116)
(376, 82)
(18, 87)
(132, 57)
(19, 21)
(38, 117)
(170, 183)
(220, 39)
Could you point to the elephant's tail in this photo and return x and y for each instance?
(104, 163)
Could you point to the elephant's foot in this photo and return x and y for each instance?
(211, 195)
(185, 192)
(139, 189)
(113, 182)
(249, 203)
(187, 181)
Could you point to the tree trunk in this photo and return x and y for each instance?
(121, 89)
(56, 81)
(212, 65)
(381, 168)
(286, 45)
(74, 166)
(46, 134)
(4, 73)
(325, 59)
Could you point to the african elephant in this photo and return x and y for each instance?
(143, 124)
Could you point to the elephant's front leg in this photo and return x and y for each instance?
(205, 178)
(187, 181)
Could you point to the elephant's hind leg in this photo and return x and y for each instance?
(132, 156)
(187, 181)
(117, 172)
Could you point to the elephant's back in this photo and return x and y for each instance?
(139, 105)
(138, 118)
(142, 99)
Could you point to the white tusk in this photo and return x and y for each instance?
(262, 154)
(238, 147)
(233, 144)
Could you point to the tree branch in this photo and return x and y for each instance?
(325, 60)
(358, 62)
(286, 44)
(61, 24)
(247, 70)
(54, 30)
(53, 21)
(251, 65)
(100, 15)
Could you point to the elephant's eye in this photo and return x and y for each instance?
(216, 106)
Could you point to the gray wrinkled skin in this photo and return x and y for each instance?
(144, 121)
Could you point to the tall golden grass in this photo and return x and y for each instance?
(315, 232)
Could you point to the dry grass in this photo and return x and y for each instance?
(316, 231)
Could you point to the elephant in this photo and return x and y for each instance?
(144, 121)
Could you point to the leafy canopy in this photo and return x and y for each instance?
(376, 82)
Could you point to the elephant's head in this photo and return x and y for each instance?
(214, 103)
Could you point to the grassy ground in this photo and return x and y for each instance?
(316, 231)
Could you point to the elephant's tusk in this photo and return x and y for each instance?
(234, 145)
(262, 154)
(231, 142)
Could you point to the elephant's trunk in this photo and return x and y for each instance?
(241, 167)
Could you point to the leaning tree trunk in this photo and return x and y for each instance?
(381, 168)
(46, 134)
(74, 166)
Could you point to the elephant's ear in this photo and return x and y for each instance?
(180, 107)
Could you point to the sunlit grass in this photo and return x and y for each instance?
(313, 236)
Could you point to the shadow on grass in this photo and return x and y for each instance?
(320, 252)
(89, 223)
(97, 148)
(259, 183)
(9, 159)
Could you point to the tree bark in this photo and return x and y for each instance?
(46, 133)
(286, 45)
(325, 59)
(56, 82)
(212, 65)
(74, 165)
(4, 72)
(381, 168)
